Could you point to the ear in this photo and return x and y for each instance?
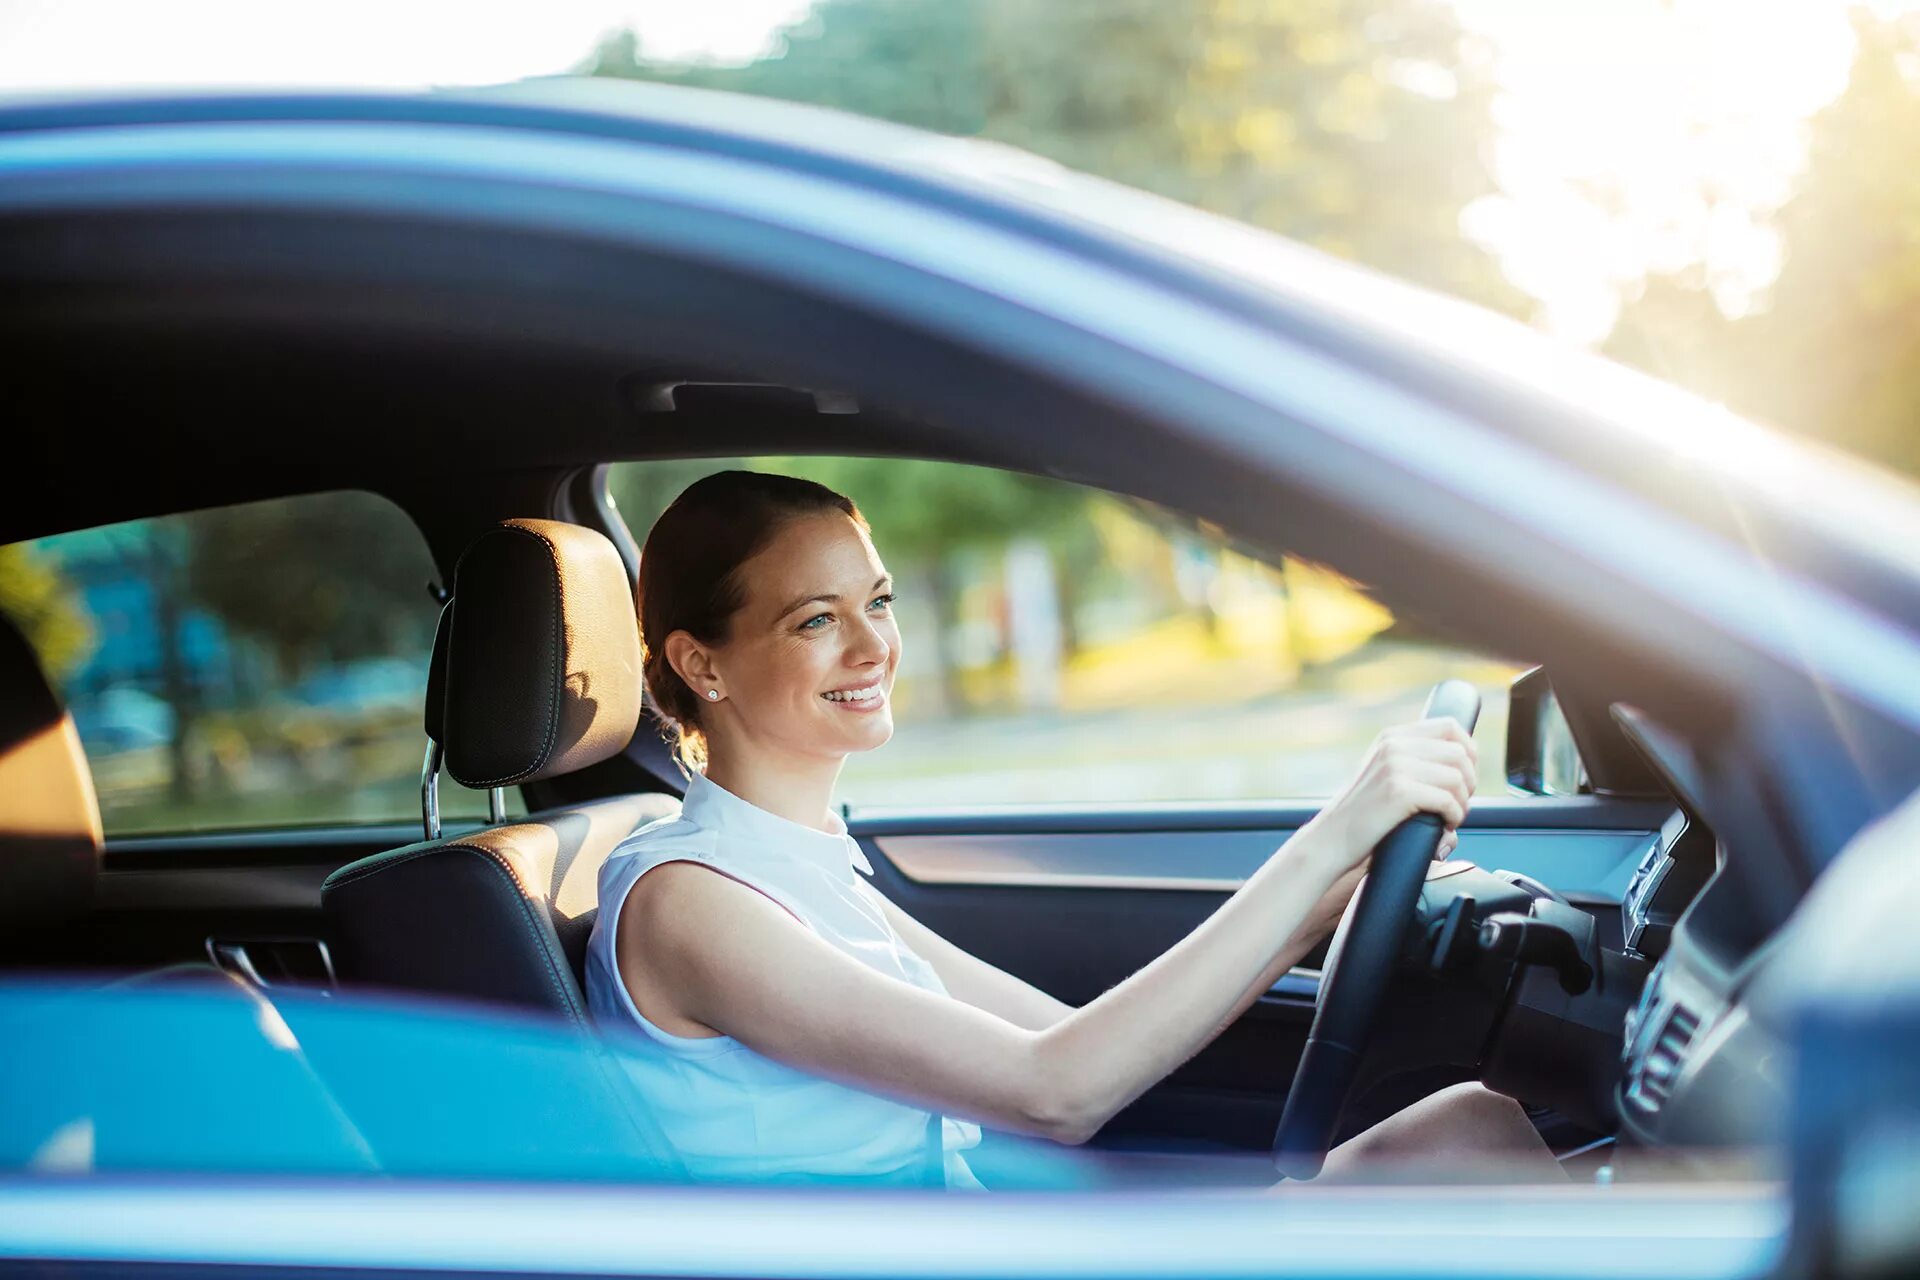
(692, 661)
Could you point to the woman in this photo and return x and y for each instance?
(789, 1022)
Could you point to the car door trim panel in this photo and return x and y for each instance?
(1588, 864)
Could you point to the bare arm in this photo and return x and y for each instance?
(972, 980)
(984, 986)
(722, 956)
(738, 963)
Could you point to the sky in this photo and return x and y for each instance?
(1685, 120)
(1635, 136)
(374, 43)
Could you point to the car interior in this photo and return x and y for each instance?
(533, 684)
(1590, 961)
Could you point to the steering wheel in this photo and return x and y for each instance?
(1358, 969)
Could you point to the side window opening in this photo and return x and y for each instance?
(1066, 645)
(261, 665)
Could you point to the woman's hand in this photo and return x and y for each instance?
(1425, 767)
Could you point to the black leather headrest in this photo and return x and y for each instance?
(541, 656)
(437, 676)
(50, 834)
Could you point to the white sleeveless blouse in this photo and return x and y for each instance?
(733, 1114)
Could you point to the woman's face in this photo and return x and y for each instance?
(809, 661)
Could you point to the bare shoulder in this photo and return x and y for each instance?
(675, 883)
(684, 910)
(680, 933)
(685, 900)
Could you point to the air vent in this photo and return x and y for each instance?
(1650, 1081)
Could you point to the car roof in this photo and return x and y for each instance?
(1569, 401)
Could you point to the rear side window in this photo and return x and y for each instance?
(250, 666)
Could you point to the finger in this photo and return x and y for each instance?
(1448, 843)
(1445, 775)
(1425, 797)
(1452, 751)
(1429, 747)
(1445, 727)
(1434, 750)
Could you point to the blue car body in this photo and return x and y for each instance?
(1704, 569)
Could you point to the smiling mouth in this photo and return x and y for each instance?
(858, 697)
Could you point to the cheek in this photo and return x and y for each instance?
(769, 674)
(802, 667)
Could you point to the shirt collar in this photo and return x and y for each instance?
(710, 805)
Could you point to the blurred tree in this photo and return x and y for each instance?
(1835, 353)
(642, 490)
(154, 553)
(323, 578)
(924, 510)
(162, 559)
(1354, 125)
(925, 513)
(47, 609)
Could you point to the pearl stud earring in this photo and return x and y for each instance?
(713, 695)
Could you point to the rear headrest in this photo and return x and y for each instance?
(541, 654)
(50, 834)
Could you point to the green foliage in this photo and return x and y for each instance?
(919, 511)
(1836, 353)
(642, 490)
(1354, 125)
(329, 577)
(46, 608)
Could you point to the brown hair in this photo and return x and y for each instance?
(690, 577)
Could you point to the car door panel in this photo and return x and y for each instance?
(1075, 899)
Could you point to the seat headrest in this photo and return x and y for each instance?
(538, 658)
(50, 835)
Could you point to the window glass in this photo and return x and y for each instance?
(249, 666)
(1562, 772)
(1062, 644)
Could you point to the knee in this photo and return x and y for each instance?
(1479, 1115)
(1480, 1100)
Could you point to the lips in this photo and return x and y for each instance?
(857, 697)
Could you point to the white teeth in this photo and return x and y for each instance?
(856, 695)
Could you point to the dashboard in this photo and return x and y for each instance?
(1699, 1070)
(1664, 885)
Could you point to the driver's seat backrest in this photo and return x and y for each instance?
(536, 673)
(50, 835)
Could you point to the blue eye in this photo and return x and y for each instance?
(819, 620)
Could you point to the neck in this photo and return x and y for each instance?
(799, 789)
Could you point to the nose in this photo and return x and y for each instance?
(869, 645)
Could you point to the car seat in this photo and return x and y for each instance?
(50, 833)
(535, 673)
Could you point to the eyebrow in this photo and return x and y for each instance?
(878, 583)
